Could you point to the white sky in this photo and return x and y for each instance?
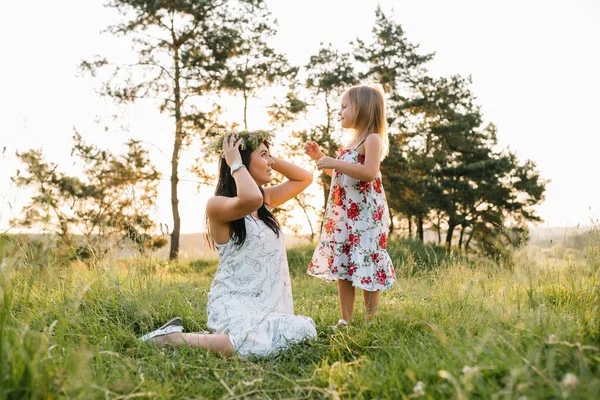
(535, 67)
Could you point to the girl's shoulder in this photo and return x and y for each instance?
(373, 137)
(370, 140)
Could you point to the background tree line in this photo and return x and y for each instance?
(445, 172)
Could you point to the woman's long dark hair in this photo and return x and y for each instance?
(226, 187)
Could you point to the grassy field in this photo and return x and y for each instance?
(451, 328)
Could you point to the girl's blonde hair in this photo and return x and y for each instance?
(368, 102)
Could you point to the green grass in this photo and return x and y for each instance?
(464, 327)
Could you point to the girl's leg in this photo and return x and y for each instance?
(371, 302)
(346, 294)
(211, 342)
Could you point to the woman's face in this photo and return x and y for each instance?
(346, 113)
(260, 165)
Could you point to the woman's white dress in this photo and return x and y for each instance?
(250, 298)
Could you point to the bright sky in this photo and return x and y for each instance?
(534, 66)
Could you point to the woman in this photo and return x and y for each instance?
(250, 306)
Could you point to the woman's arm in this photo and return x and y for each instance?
(222, 209)
(363, 172)
(298, 180)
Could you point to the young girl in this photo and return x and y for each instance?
(250, 306)
(352, 249)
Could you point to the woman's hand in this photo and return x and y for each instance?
(231, 149)
(326, 162)
(312, 150)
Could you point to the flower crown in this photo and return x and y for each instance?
(251, 140)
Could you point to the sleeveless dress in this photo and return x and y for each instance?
(353, 241)
(250, 298)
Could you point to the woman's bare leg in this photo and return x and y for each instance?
(371, 302)
(346, 294)
(212, 342)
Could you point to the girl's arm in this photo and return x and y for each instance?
(298, 180)
(222, 209)
(312, 150)
(363, 172)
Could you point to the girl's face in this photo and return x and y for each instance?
(260, 165)
(346, 114)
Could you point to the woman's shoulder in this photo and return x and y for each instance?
(212, 202)
(215, 206)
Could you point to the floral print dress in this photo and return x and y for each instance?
(250, 298)
(355, 232)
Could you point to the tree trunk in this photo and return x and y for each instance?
(245, 93)
(391, 230)
(420, 232)
(328, 111)
(312, 231)
(451, 226)
(326, 187)
(174, 251)
(409, 226)
(469, 239)
(245, 110)
(439, 228)
(460, 239)
(326, 178)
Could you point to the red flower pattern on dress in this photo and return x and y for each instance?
(353, 211)
(364, 186)
(375, 257)
(377, 185)
(346, 248)
(361, 158)
(383, 241)
(378, 215)
(365, 280)
(381, 276)
(339, 195)
(330, 225)
(354, 239)
(351, 269)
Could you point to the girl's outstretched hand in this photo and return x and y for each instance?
(231, 149)
(326, 162)
(312, 150)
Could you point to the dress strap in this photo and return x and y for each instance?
(361, 142)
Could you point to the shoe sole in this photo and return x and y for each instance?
(171, 326)
(177, 321)
(161, 332)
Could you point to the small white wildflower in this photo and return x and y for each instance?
(570, 381)
(419, 389)
(445, 374)
(552, 339)
(523, 386)
(470, 370)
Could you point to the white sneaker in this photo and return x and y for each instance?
(172, 326)
(341, 323)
